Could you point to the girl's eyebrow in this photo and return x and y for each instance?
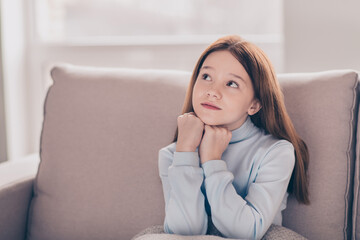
(207, 67)
(232, 74)
(237, 76)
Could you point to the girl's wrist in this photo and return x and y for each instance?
(206, 159)
(180, 148)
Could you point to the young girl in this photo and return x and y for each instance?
(235, 153)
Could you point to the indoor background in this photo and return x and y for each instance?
(298, 36)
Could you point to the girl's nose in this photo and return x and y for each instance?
(213, 92)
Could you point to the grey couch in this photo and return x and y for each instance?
(102, 129)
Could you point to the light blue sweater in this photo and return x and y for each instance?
(243, 193)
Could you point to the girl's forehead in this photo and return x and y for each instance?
(223, 60)
(222, 57)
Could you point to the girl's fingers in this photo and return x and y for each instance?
(208, 127)
(190, 114)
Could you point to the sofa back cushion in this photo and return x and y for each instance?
(98, 176)
(103, 128)
(323, 107)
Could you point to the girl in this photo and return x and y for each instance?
(235, 153)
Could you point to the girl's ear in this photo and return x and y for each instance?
(255, 107)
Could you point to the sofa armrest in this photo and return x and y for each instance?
(16, 189)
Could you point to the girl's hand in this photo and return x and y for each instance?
(214, 143)
(190, 131)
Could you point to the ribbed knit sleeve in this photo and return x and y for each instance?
(182, 177)
(251, 216)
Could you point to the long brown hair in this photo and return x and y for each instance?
(272, 117)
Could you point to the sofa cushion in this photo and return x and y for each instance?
(323, 107)
(356, 200)
(275, 232)
(103, 128)
(98, 176)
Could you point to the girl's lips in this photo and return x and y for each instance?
(210, 106)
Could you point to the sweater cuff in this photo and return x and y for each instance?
(214, 166)
(186, 159)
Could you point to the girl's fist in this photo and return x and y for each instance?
(190, 131)
(214, 142)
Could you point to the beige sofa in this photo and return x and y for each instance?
(103, 128)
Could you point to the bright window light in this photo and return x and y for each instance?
(66, 20)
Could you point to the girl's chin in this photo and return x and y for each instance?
(210, 122)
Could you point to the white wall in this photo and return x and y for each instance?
(321, 35)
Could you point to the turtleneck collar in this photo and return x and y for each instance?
(246, 130)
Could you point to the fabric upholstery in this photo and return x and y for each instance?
(275, 232)
(157, 232)
(98, 175)
(16, 189)
(356, 199)
(102, 129)
(323, 107)
(14, 202)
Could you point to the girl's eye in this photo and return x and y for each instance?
(232, 84)
(206, 77)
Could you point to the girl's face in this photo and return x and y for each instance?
(223, 83)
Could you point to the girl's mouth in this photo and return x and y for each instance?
(210, 106)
